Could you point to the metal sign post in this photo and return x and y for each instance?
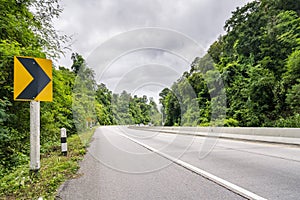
(34, 135)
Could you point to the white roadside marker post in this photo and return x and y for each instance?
(34, 136)
(63, 139)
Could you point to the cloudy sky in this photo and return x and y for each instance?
(142, 45)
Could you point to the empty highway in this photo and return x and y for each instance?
(125, 163)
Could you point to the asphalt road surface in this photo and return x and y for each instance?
(124, 163)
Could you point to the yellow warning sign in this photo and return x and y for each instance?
(32, 79)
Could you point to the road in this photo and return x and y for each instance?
(125, 163)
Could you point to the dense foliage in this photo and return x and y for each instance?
(258, 60)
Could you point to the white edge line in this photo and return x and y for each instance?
(230, 186)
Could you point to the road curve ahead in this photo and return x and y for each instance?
(130, 164)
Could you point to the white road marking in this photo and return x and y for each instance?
(230, 186)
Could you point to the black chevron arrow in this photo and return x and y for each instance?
(39, 82)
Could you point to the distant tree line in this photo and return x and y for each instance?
(96, 103)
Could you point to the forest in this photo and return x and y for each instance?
(250, 76)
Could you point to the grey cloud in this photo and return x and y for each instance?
(94, 21)
(100, 29)
(138, 65)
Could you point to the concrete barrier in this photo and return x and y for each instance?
(272, 135)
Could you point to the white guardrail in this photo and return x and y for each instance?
(272, 135)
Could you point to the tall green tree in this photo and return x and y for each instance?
(103, 105)
(84, 94)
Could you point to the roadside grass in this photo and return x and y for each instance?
(55, 169)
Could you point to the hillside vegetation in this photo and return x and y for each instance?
(249, 77)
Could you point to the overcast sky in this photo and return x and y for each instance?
(142, 45)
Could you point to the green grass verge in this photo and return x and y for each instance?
(55, 169)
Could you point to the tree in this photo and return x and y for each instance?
(155, 115)
(121, 108)
(172, 112)
(84, 91)
(103, 105)
(78, 62)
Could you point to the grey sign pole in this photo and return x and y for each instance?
(34, 135)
